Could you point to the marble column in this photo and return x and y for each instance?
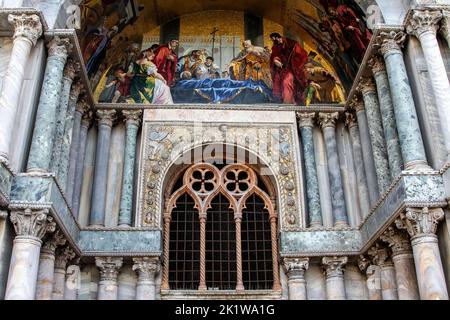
(146, 269)
(27, 30)
(403, 259)
(70, 71)
(30, 226)
(306, 123)
(46, 269)
(387, 272)
(334, 267)
(105, 122)
(109, 270)
(424, 25)
(366, 146)
(363, 191)
(80, 155)
(328, 123)
(81, 107)
(42, 143)
(411, 142)
(73, 281)
(295, 270)
(373, 277)
(421, 225)
(132, 120)
(394, 152)
(63, 256)
(368, 90)
(66, 142)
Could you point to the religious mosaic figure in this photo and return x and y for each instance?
(287, 64)
(190, 64)
(166, 60)
(252, 63)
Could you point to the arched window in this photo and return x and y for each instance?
(220, 232)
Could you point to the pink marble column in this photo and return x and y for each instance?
(295, 270)
(334, 267)
(421, 225)
(146, 269)
(109, 270)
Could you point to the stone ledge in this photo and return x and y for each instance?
(221, 295)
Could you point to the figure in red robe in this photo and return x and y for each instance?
(166, 61)
(287, 64)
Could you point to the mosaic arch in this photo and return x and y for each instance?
(129, 58)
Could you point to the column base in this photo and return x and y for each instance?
(418, 165)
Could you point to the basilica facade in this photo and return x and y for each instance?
(275, 150)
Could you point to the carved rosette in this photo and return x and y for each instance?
(59, 48)
(306, 120)
(146, 268)
(109, 267)
(132, 117)
(423, 21)
(106, 117)
(377, 64)
(26, 26)
(397, 240)
(350, 120)
(367, 86)
(357, 104)
(32, 223)
(63, 256)
(334, 266)
(420, 222)
(328, 120)
(391, 42)
(71, 69)
(296, 267)
(55, 240)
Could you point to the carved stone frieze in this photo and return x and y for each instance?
(32, 223)
(27, 26)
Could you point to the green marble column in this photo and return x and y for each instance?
(132, 120)
(387, 116)
(306, 123)
(43, 136)
(411, 141)
(368, 90)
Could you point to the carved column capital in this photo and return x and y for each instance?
(132, 117)
(445, 23)
(363, 263)
(334, 266)
(296, 266)
(146, 267)
(423, 21)
(391, 42)
(306, 120)
(377, 64)
(106, 117)
(60, 48)
(71, 69)
(109, 267)
(366, 86)
(357, 104)
(63, 256)
(328, 120)
(26, 26)
(32, 223)
(420, 221)
(350, 120)
(380, 256)
(397, 240)
(76, 90)
(53, 241)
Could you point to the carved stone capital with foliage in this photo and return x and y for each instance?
(71, 69)
(32, 223)
(53, 241)
(363, 263)
(423, 21)
(351, 120)
(334, 266)
(445, 23)
(76, 89)
(357, 104)
(391, 42)
(296, 267)
(380, 255)
(398, 240)
(27, 26)
(366, 86)
(420, 221)
(146, 268)
(109, 267)
(59, 48)
(106, 117)
(306, 120)
(328, 120)
(377, 64)
(132, 117)
(63, 256)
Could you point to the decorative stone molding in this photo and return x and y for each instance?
(296, 266)
(32, 223)
(146, 267)
(391, 41)
(397, 240)
(59, 48)
(63, 256)
(306, 120)
(377, 64)
(26, 26)
(109, 267)
(55, 240)
(366, 86)
(328, 120)
(420, 221)
(423, 21)
(71, 69)
(106, 117)
(334, 266)
(132, 117)
(350, 120)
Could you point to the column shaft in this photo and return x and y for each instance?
(79, 166)
(374, 282)
(406, 279)
(59, 284)
(146, 269)
(388, 282)
(335, 277)
(72, 283)
(109, 270)
(295, 269)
